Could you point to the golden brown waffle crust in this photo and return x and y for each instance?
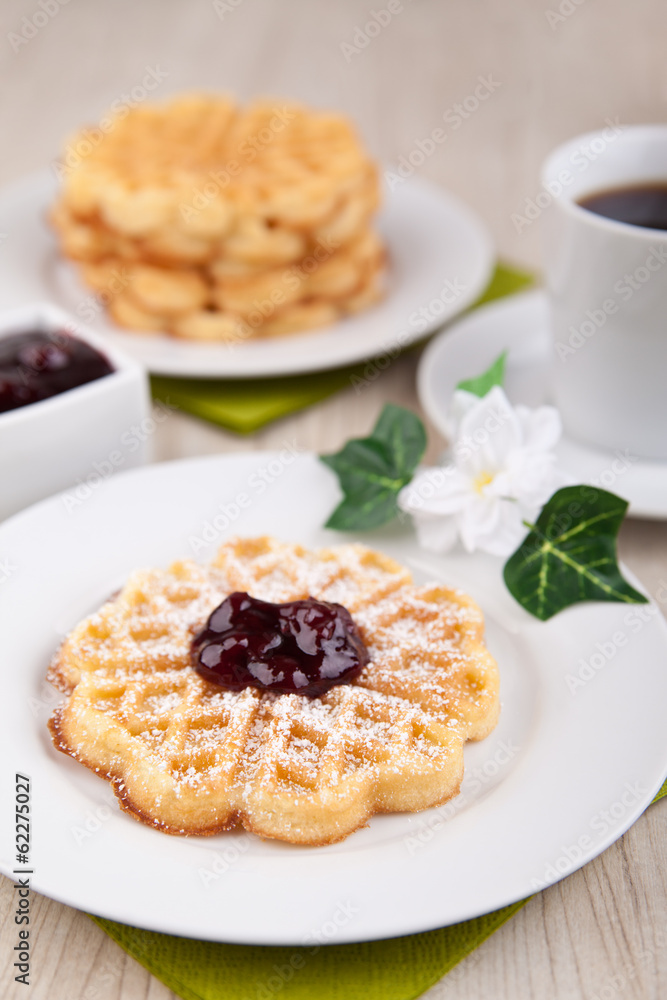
(188, 757)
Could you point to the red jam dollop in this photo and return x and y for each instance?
(37, 365)
(302, 647)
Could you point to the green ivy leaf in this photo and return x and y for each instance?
(373, 470)
(570, 554)
(495, 375)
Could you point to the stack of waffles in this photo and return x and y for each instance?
(213, 222)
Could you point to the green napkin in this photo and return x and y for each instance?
(396, 969)
(245, 405)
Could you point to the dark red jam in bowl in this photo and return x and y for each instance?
(37, 365)
(302, 647)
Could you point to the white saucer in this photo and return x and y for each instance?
(519, 325)
(432, 239)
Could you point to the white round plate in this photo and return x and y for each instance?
(436, 244)
(519, 325)
(549, 789)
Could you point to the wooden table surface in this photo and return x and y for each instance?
(557, 67)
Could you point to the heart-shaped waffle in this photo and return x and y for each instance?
(189, 757)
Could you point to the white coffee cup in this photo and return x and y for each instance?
(607, 284)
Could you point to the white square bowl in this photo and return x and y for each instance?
(79, 437)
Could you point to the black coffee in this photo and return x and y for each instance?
(640, 205)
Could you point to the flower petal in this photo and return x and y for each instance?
(508, 532)
(440, 490)
(488, 433)
(461, 402)
(478, 519)
(530, 477)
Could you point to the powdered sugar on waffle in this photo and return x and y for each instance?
(430, 684)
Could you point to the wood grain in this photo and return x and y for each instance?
(599, 934)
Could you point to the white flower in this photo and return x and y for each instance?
(503, 471)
